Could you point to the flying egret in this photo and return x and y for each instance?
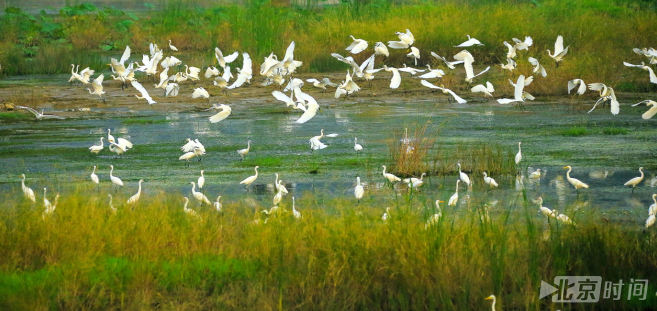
(517, 94)
(40, 115)
(450, 65)
(510, 65)
(653, 77)
(492, 297)
(435, 218)
(164, 79)
(573, 181)
(463, 176)
(635, 181)
(467, 59)
(315, 142)
(189, 211)
(519, 154)
(97, 148)
(606, 94)
(223, 60)
(406, 40)
(390, 177)
(322, 84)
(211, 72)
(198, 195)
(116, 148)
(223, 114)
(469, 42)
(170, 61)
(192, 73)
(381, 49)
(311, 109)
(411, 70)
(511, 54)
(455, 197)
(201, 92)
(97, 85)
(523, 45)
(433, 73)
(487, 90)
(115, 180)
(201, 181)
(368, 69)
(94, 177)
(74, 73)
(249, 180)
(395, 81)
(651, 112)
(559, 51)
(288, 63)
(581, 89)
(347, 86)
(359, 191)
(144, 93)
(445, 91)
(171, 90)
(489, 181)
(295, 213)
(415, 54)
(243, 152)
(245, 74)
(27, 191)
(133, 199)
(357, 146)
(538, 68)
(357, 46)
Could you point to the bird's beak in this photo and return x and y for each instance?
(488, 298)
(565, 167)
(441, 201)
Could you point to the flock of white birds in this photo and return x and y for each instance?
(275, 71)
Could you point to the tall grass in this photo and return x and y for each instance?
(601, 35)
(338, 256)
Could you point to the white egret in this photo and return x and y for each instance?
(653, 77)
(46, 202)
(386, 215)
(517, 94)
(74, 73)
(357, 46)
(116, 148)
(652, 209)
(467, 59)
(97, 85)
(115, 180)
(94, 177)
(635, 181)
(201, 181)
(573, 181)
(198, 195)
(40, 115)
(581, 89)
(455, 197)
(411, 70)
(192, 73)
(249, 180)
(288, 100)
(489, 181)
(296, 213)
(395, 81)
(546, 211)
(536, 175)
(606, 94)
(322, 84)
(164, 79)
(433, 73)
(368, 69)
(171, 90)
(650, 221)
(511, 54)
(27, 191)
(347, 86)
(277, 198)
(357, 146)
(564, 219)
(463, 176)
(414, 182)
(538, 68)
(279, 185)
(469, 42)
(651, 112)
(445, 91)
(135, 198)
(217, 205)
(223, 114)
(289, 64)
(245, 74)
(359, 191)
(510, 65)
(144, 93)
(189, 211)
(406, 40)
(347, 60)
(559, 51)
(243, 152)
(480, 88)
(200, 92)
(523, 45)
(170, 61)
(315, 142)
(223, 60)
(390, 177)
(492, 297)
(189, 155)
(435, 218)
(450, 65)
(519, 154)
(414, 54)
(111, 206)
(381, 49)
(311, 109)
(122, 142)
(97, 148)
(211, 72)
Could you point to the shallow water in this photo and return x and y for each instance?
(54, 154)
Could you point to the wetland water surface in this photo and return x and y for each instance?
(55, 154)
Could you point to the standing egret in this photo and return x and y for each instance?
(115, 180)
(359, 191)
(559, 51)
(217, 205)
(201, 181)
(243, 152)
(415, 54)
(40, 115)
(581, 89)
(46, 202)
(279, 185)
(223, 114)
(455, 197)
(357, 46)
(635, 181)
(606, 94)
(490, 181)
(652, 209)
(463, 176)
(445, 91)
(133, 199)
(198, 195)
(651, 73)
(189, 211)
(435, 218)
(390, 177)
(111, 206)
(415, 182)
(573, 181)
(519, 154)
(492, 297)
(535, 174)
(190, 155)
(277, 198)
(97, 148)
(249, 180)
(544, 210)
(296, 213)
(651, 112)
(470, 42)
(27, 191)
(357, 146)
(386, 215)
(94, 177)
(172, 48)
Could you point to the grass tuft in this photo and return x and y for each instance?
(575, 131)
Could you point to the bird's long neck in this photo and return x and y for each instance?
(641, 170)
(568, 173)
(493, 306)
(139, 190)
(94, 172)
(185, 206)
(193, 187)
(44, 193)
(111, 170)
(256, 170)
(276, 181)
(384, 170)
(248, 145)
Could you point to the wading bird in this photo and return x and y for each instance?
(221, 115)
(573, 181)
(492, 297)
(445, 91)
(201, 181)
(463, 176)
(27, 191)
(606, 94)
(217, 205)
(295, 213)
(455, 197)
(435, 218)
(97, 148)
(559, 51)
(243, 152)
(135, 198)
(389, 177)
(651, 112)
(40, 115)
(94, 177)
(115, 180)
(359, 191)
(357, 146)
(198, 195)
(635, 181)
(189, 211)
(489, 181)
(249, 180)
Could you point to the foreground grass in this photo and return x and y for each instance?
(340, 256)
